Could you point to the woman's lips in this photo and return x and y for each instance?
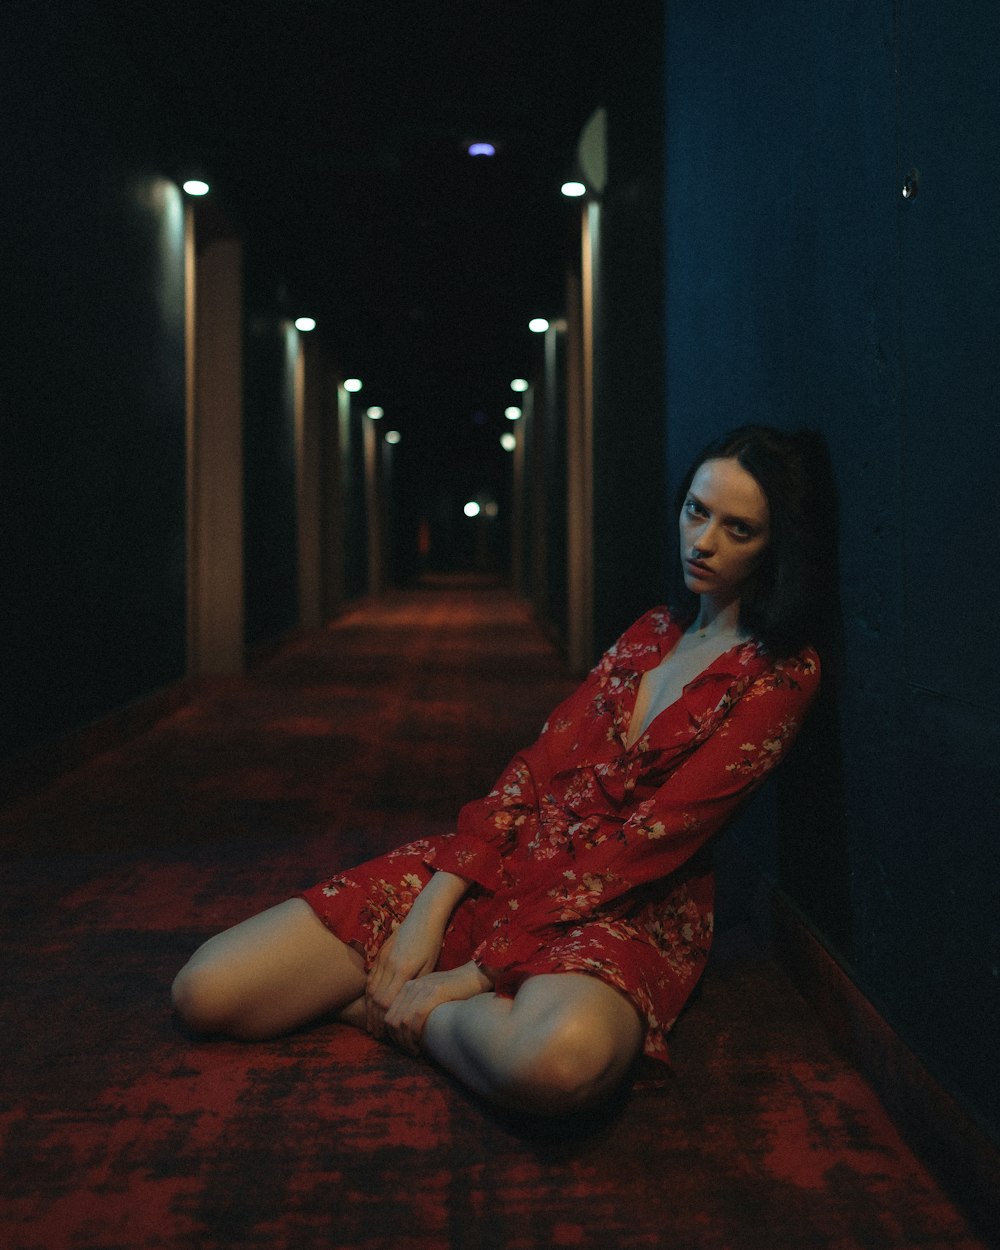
(699, 569)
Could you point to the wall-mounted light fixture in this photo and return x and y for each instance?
(513, 413)
(520, 385)
(375, 413)
(305, 324)
(393, 437)
(480, 148)
(353, 385)
(195, 186)
(538, 325)
(508, 441)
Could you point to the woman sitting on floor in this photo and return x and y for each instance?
(539, 949)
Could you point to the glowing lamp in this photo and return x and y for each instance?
(352, 384)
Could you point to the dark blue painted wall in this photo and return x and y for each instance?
(92, 424)
(802, 288)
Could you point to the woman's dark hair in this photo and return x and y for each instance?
(782, 605)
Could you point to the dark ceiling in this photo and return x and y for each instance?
(334, 133)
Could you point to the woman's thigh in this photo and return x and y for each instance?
(271, 973)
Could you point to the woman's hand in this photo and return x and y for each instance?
(412, 950)
(408, 953)
(405, 1019)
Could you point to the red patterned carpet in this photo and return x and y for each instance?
(120, 1132)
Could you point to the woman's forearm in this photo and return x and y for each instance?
(438, 899)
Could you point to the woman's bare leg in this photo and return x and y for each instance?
(564, 1042)
(269, 975)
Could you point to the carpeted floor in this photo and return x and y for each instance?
(121, 1132)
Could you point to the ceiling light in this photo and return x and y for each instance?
(305, 324)
(195, 186)
(352, 384)
(376, 413)
(573, 190)
(538, 325)
(512, 413)
(481, 149)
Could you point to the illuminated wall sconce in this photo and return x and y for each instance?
(507, 441)
(573, 190)
(393, 437)
(353, 385)
(305, 324)
(196, 187)
(375, 412)
(512, 413)
(472, 508)
(538, 325)
(519, 385)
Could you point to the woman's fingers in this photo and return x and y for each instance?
(406, 1016)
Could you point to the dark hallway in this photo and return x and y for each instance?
(120, 1131)
(351, 361)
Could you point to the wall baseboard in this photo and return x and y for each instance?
(960, 1154)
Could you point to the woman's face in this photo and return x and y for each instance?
(724, 529)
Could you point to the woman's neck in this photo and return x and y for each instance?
(715, 619)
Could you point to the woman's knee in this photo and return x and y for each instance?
(576, 1062)
(202, 995)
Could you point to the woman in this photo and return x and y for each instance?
(535, 952)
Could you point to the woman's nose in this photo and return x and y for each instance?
(704, 541)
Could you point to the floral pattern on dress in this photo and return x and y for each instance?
(587, 855)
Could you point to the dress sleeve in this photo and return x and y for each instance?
(489, 826)
(614, 852)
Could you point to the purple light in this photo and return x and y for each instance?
(481, 149)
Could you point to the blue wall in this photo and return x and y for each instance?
(802, 288)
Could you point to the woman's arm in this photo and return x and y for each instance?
(615, 852)
(412, 950)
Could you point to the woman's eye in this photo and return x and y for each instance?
(741, 531)
(693, 508)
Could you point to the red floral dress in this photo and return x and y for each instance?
(589, 856)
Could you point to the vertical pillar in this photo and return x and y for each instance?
(580, 455)
(333, 503)
(518, 499)
(373, 508)
(214, 391)
(308, 481)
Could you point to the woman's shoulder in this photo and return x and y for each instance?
(797, 672)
